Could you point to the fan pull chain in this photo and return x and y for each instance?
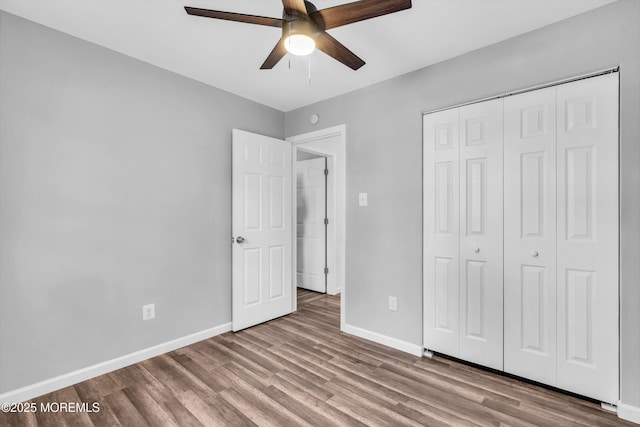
(309, 70)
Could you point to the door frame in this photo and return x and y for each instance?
(317, 142)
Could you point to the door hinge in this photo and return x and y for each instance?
(326, 270)
(326, 221)
(326, 171)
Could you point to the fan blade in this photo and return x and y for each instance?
(357, 11)
(337, 50)
(275, 56)
(294, 7)
(230, 16)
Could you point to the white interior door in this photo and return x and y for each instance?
(311, 228)
(481, 233)
(441, 232)
(530, 235)
(588, 237)
(262, 229)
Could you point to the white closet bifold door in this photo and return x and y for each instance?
(521, 235)
(587, 276)
(441, 232)
(463, 233)
(530, 235)
(481, 233)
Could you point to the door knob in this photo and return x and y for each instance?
(476, 249)
(240, 239)
(534, 253)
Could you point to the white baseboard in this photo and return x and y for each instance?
(66, 380)
(407, 347)
(629, 412)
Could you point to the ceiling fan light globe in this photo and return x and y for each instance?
(299, 44)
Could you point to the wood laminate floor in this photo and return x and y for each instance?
(301, 370)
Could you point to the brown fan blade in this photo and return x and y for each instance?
(275, 56)
(294, 7)
(337, 50)
(239, 17)
(349, 13)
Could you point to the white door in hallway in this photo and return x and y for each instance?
(311, 228)
(261, 229)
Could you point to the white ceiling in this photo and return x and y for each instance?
(228, 55)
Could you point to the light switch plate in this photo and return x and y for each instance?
(362, 199)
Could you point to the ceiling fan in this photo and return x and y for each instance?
(304, 26)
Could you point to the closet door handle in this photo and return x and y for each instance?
(240, 239)
(476, 249)
(534, 253)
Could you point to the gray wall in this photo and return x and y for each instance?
(114, 193)
(384, 158)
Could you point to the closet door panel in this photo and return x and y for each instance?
(441, 232)
(587, 276)
(481, 210)
(530, 235)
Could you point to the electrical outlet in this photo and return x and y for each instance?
(393, 303)
(148, 312)
(362, 199)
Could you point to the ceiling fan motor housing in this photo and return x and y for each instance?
(299, 26)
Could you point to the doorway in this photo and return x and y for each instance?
(330, 143)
